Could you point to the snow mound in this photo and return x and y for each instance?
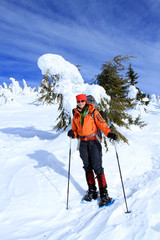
(132, 92)
(70, 81)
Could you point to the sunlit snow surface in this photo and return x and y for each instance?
(33, 189)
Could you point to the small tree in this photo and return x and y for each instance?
(47, 95)
(63, 119)
(132, 75)
(133, 81)
(116, 84)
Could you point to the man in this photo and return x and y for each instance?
(85, 124)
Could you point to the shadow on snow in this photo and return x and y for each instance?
(30, 132)
(46, 159)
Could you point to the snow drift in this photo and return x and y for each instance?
(33, 189)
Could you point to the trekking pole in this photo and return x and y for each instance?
(121, 179)
(69, 172)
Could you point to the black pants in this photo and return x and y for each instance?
(91, 155)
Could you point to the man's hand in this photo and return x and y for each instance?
(112, 136)
(71, 133)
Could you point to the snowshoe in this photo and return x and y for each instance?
(92, 194)
(106, 201)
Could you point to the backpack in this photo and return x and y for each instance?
(91, 99)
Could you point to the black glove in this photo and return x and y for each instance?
(71, 133)
(112, 136)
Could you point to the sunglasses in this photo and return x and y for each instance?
(80, 101)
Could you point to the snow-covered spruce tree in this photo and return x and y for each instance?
(9, 93)
(144, 100)
(64, 119)
(115, 83)
(47, 95)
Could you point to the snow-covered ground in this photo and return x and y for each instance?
(33, 180)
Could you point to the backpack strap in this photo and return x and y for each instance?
(92, 114)
(99, 131)
(73, 111)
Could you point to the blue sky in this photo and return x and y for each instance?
(88, 33)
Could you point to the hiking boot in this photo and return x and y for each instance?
(92, 194)
(105, 199)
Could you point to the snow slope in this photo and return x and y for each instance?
(33, 177)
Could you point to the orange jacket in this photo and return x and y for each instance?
(90, 125)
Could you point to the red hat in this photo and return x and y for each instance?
(81, 97)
